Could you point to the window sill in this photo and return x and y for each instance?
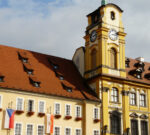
(133, 105)
(57, 116)
(68, 117)
(96, 120)
(19, 111)
(78, 118)
(40, 114)
(114, 102)
(30, 113)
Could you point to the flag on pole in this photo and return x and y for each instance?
(52, 124)
(9, 118)
(49, 123)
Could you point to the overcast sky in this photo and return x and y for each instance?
(57, 27)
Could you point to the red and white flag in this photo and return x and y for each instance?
(49, 123)
(9, 118)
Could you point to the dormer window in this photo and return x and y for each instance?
(59, 75)
(1, 78)
(138, 76)
(25, 60)
(28, 69)
(112, 15)
(127, 62)
(55, 66)
(34, 81)
(69, 89)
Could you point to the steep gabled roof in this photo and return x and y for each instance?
(44, 69)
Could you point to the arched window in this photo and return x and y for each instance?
(113, 58)
(93, 58)
(112, 15)
(114, 95)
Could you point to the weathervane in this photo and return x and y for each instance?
(104, 2)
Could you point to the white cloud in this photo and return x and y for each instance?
(58, 29)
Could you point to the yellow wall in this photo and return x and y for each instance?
(9, 96)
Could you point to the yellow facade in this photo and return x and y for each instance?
(87, 124)
(103, 78)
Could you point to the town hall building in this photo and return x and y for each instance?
(99, 92)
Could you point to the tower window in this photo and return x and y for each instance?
(112, 15)
(93, 58)
(113, 58)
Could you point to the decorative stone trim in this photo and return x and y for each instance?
(143, 116)
(125, 93)
(78, 118)
(19, 111)
(134, 115)
(105, 89)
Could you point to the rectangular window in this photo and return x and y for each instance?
(30, 105)
(96, 113)
(57, 131)
(78, 132)
(134, 127)
(78, 111)
(19, 104)
(18, 129)
(144, 128)
(29, 129)
(41, 106)
(57, 108)
(96, 132)
(142, 100)
(114, 95)
(68, 131)
(40, 130)
(68, 110)
(133, 98)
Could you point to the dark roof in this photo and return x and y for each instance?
(109, 4)
(44, 73)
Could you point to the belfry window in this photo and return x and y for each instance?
(112, 15)
(93, 58)
(113, 58)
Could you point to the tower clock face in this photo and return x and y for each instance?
(93, 36)
(113, 34)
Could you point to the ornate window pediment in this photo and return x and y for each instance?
(134, 115)
(143, 116)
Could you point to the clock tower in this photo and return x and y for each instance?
(105, 42)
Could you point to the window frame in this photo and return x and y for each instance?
(57, 127)
(66, 109)
(22, 103)
(55, 108)
(15, 127)
(114, 98)
(96, 130)
(145, 103)
(131, 99)
(76, 113)
(32, 128)
(98, 113)
(33, 105)
(39, 106)
(70, 130)
(78, 129)
(38, 128)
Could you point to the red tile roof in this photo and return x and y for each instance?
(132, 67)
(15, 76)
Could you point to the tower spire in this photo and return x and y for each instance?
(104, 2)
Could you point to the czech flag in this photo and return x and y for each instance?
(9, 118)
